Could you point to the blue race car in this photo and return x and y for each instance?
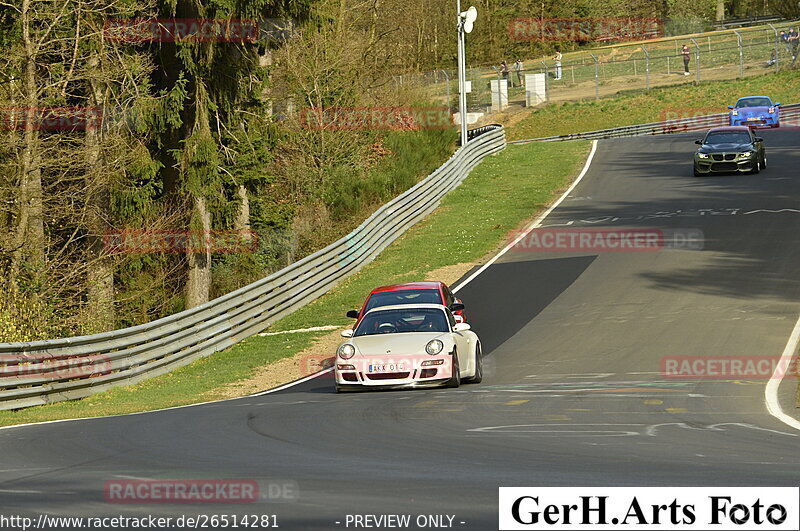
(755, 111)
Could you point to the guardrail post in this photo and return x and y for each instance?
(741, 53)
(646, 69)
(596, 77)
(777, 47)
(449, 101)
(696, 58)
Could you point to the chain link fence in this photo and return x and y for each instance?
(598, 72)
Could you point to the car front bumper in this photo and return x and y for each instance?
(756, 121)
(420, 370)
(712, 166)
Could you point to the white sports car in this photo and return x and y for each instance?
(408, 346)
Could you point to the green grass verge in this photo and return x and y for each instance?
(659, 104)
(187, 385)
(502, 192)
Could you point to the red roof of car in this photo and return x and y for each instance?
(729, 128)
(408, 285)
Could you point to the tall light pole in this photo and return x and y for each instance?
(465, 22)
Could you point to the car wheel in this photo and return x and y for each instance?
(455, 379)
(756, 168)
(764, 162)
(478, 365)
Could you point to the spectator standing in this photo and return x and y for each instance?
(504, 70)
(793, 39)
(687, 56)
(518, 69)
(557, 59)
(785, 40)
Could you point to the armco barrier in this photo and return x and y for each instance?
(790, 115)
(46, 371)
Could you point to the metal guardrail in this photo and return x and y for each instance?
(41, 372)
(740, 22)
(789, 113)
(474, 133)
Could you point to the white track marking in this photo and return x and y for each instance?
(536, 222)
(771, 390)
(612, 430)
(653, 429)
(594, 376)
(595, 430)
(773, 211)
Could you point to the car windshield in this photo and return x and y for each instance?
(753, 102)
(728, 137)
(401, 320)
(406, 296)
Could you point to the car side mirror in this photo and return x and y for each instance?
(730, 106)
(347, 333)
(778, 104)
(456, 307)
(699, 142)
(758, 139)
(352, 314)
(461, 327)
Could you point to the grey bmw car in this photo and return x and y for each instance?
(730, 149)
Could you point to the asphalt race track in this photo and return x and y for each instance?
(573, 395)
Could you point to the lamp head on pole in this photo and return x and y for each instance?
(467, 19)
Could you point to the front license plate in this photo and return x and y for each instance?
(386, 367)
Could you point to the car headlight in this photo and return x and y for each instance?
(772, 110)
(702, 155)
(347, 351)
(747, 154)
(734, 112)
(434, 347)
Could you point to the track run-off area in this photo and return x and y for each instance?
(574, 392)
